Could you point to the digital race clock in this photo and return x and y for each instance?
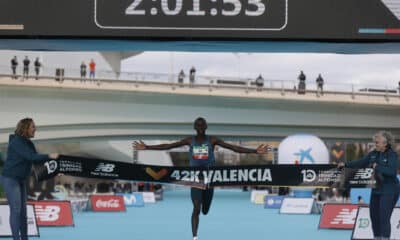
(246, 15)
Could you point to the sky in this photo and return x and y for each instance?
(365, 69)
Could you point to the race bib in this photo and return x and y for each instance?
(200, 152)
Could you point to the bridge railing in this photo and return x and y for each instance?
(212, 82)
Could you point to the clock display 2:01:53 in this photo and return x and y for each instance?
(175, 7)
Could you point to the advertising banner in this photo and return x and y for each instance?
(338, 216)
(223, 19)
(297, 206)
(312, 175)
(274, 202)
(149, 197)
(133, 199)
(5, 230)
(107, 203)
(363, 229)
(53, 213)
(254, 193)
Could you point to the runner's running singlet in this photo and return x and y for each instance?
(201, 154)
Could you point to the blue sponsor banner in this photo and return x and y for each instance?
(273, 201)
(133, 199)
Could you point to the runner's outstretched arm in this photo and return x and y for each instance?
(263, 148)
(140, 145)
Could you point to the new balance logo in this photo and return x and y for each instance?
(345, 216)
(105, 167)
(47, 213)
(363, 173)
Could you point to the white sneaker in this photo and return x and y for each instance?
(194, 238)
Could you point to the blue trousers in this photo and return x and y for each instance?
(380, 211)
(16, 197)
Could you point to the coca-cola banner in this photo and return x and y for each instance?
(314, 175)
(107, 203)
(53, 213)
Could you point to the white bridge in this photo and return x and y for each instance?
(125, 110)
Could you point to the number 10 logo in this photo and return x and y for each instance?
(308, 175)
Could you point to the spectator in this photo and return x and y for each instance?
(192, 74)
(283, 191)
(158, 192)
(83, 71)
(259, 82)
(383, 198)
(26, 67)
(323, 194)
(117, 188)
(127, 188)
(360, 200)
(320, 85)
(302, 83)
(140, 186)
(14, 64)
(20, 158)
(102, 187)
(337, 153)
(181, 77)
(46, 189)
(37, 67)
(92, 69)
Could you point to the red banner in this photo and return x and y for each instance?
(53, 213)
(107, 203)
(338, 216)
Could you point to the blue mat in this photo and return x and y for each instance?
(232, 217)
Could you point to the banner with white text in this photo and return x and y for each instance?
(313, 175)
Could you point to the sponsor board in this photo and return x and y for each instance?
(297, 206)
(338, 216)
(133, 199)
(273, 201)
(53, 213)
(5, 230)
(254, 193)
(259, 199)
(363, 228)
(149, 197)
(107, 203)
